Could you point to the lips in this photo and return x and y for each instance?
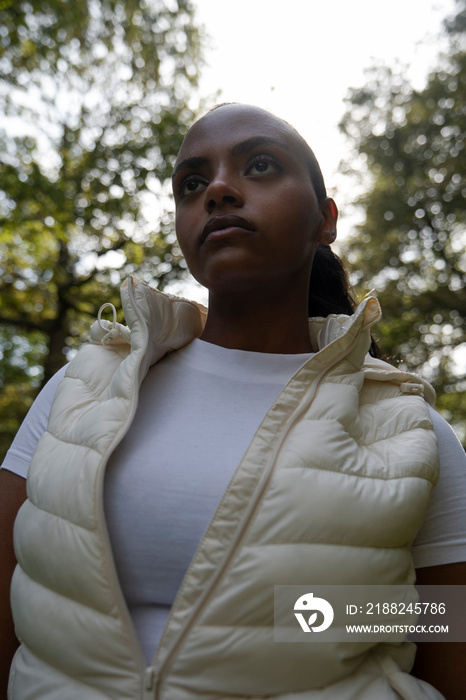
(219, 223)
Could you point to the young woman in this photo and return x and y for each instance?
(186, 464)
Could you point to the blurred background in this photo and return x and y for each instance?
(96, 95)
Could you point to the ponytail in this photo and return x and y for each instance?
(330, 290)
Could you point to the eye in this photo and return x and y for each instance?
(191, 185)
(263, 165)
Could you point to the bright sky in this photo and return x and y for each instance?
(298, 58)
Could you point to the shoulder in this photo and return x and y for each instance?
(33, 427)
(442, 538)
(448, 442)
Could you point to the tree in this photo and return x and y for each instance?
(96, 95)
(410, 247)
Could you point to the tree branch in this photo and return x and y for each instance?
(24, 322)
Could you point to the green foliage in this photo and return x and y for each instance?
(410, 248)
(95, 97)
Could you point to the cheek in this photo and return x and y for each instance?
(188, 245)
(303, 214)
(303, 220)
(182, 233)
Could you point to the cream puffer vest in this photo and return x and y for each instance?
(332, 489)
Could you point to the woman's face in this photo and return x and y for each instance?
(246, 211)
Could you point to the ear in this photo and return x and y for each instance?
(328, 229)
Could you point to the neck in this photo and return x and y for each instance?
(277, 325)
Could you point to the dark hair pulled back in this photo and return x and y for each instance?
(329, 288)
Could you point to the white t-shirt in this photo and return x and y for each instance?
(198, 411)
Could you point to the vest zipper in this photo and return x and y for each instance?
(150, 683)
(162, 665)
(146, 673)
(149, 675)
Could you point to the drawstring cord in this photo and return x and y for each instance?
(114, 332)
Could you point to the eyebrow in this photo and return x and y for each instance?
(238, 149)
(190, 163)
(255, 141)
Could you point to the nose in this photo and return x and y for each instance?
(222, 190)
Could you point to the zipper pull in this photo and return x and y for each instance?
(150, 683)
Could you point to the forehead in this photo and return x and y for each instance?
(229, 125)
